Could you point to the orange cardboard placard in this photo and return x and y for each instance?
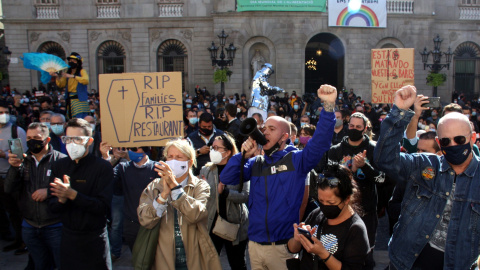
(141, 109)
(391, 69)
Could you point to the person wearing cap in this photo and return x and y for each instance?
(76, 81)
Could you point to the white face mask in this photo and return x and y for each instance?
(93, 127)
(179, 168)
(4, 118)
(238, 110)
(215, 157)
(75, 151)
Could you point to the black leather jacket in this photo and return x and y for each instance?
(28, 178)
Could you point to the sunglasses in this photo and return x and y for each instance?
(444, 142)
(331, 181)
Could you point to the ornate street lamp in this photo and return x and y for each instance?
(437, 66)
(222, 62)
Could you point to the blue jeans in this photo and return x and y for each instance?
(116, 231)
(43, 244)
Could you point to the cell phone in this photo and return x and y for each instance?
(305, 233)
(433, 102)
(16, 147)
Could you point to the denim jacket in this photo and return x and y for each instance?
(429, 183)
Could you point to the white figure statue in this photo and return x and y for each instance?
(257, 61)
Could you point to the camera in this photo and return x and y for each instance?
(308, 98)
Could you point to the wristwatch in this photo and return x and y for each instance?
(198, 152)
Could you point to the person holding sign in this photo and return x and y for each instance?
(277, 182)
(76, 81)
(178, 201)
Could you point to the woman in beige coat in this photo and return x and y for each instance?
(178, 200)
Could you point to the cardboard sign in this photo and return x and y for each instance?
(141, 109)
(391, 69)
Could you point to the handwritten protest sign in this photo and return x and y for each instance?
(391, 69)
(141, 109)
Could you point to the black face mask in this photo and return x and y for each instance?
(72, 64)
(355, 134)
(35, 146)
(206, 131)
(330, 211)
(457, 154)
(273, 149)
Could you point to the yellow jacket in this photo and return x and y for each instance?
(73, 82)
(192, 218)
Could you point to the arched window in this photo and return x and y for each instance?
(110, 58)
(172, 56)
(467, 73)
(54, 48)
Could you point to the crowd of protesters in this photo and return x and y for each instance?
(302, 201)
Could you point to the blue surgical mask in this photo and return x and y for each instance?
(135, 157)
(47, 124)
(193, 120)
(295, 107)
(296, 140)
(474, 113)
(57, 129)
(302, 124)
(189, 106)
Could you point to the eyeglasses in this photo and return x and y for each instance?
(444, 142)
(331, 181)
(216, 148)
(75, 139)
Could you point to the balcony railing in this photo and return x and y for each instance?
(170, 10)
(470, 10)
(108, 11)
(47, 11)
(400, 6)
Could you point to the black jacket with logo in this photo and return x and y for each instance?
(28, 178)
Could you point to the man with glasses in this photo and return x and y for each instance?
(46, 118)
(7, 202)
(81, 189)
(440, 223)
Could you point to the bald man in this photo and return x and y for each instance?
(439, 226)
(277, 182)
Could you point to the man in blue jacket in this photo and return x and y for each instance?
(277, 182)
(439, 225)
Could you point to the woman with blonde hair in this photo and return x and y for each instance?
(178, 200)
(227, 202)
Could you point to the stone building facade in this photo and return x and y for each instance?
(166, 35)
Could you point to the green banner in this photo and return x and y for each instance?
(281, 5)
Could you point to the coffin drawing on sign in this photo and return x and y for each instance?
(122, 90)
